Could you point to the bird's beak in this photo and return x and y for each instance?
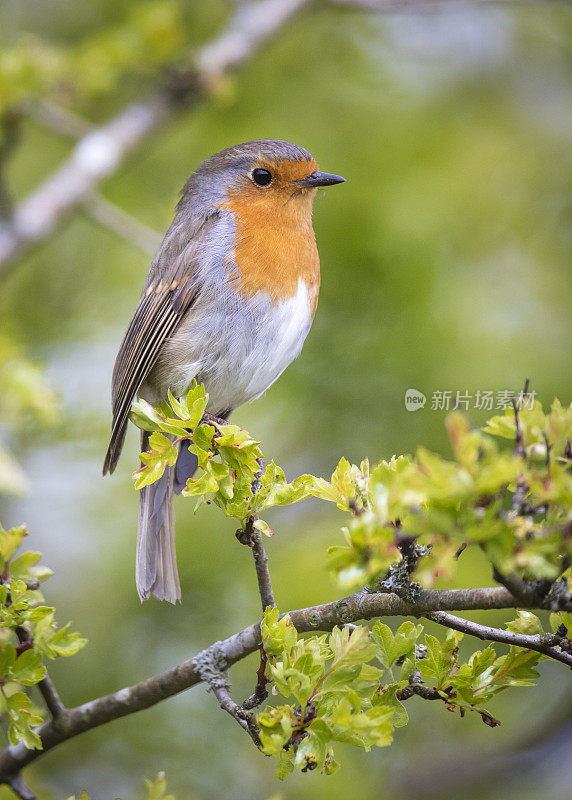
(318, 179)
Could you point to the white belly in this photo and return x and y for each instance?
(236, 347)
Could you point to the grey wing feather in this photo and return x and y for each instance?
(168, 293)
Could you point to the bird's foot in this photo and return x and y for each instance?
(212, 419)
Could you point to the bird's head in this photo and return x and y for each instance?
(265, 174)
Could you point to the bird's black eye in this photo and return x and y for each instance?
(261, 176)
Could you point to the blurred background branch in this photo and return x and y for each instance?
(102, 150)
(122, 224)
(9, 131)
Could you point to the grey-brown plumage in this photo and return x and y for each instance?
(191, 322)
(156, 560)
(167, 294)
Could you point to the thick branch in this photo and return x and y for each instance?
(225, 653)
(544, 644)
(101, 152)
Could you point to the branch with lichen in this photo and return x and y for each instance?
(212, 663)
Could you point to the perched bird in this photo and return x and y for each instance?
(228, 300)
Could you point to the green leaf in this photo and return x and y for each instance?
(285, 765)
(10, 541)
(20, 566)
(350, 648)
(338, 678)
(7, 658)
(54, 642)
(387, 697)
(278, 635)
(366, 728)
(28, 669)
(144, 415)
(435, 667)
(561, 618)
(391, 647)
(276, 725)
(164, 447)
(156, 790)
(503, 426)
(516, 668)
(23, 721)
(526, 622)
(263, 527)
(199, 486)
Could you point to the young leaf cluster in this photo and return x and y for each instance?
(349, 686)
(331, 681)
(230, 463)
(28, 635)
(512, 503)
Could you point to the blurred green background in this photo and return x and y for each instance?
(445, 267)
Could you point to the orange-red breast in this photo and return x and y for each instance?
(228, 300)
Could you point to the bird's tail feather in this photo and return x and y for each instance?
(156, 565)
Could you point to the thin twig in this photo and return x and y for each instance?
(260, 691)
(513, 583)
(421, 691)
(51, 697)
(416, 686)
(544, 644)
(122, 224)
(253, 537)
(259, 551)
(262, 572)
(20, 789)
(58, 119)
(547, 462)
(244, 717)
(519, 449)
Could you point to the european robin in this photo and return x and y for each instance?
(228, 300)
